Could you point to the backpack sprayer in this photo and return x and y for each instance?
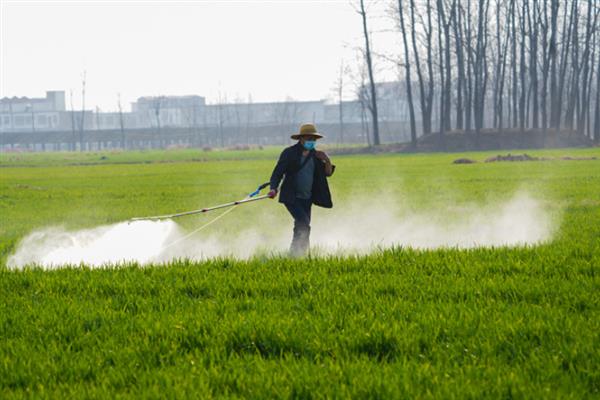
(254, 196)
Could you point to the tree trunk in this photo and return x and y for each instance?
(441, 64)
(341, 102)
(533, 42)
(411, 108)
(460, 66)
(573, 89)
(514, 65)
(425, 95)
(562, 76)
(82, 126)
(597, 108)
(373, 107)
(447, 88)
(552, 52)
(469, 85)
(480, 68)
(522, 73)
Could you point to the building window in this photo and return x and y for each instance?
(19, 120)
(41, 120)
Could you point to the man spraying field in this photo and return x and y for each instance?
(305, 183)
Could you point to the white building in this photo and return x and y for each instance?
(24, 114)
(168, 111)
(290, 112)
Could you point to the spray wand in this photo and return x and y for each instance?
(254, 196)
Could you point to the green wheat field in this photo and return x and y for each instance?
(397, 322)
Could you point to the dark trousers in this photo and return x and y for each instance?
(300, 211)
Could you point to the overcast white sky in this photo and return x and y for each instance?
(269, 49)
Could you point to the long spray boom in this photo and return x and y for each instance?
(251, 197)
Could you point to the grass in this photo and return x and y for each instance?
(130, 157)
(398, 323)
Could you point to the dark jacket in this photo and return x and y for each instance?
(289, 165)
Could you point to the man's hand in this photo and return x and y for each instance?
(272, 194)
(321, 156)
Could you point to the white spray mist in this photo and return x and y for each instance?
(357, 227)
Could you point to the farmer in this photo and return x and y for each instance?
(305, 183)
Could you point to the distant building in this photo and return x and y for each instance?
(351, 111)
(168, 111)
(113, 120)
(23, 114)
(289, 112)
(391, 100)
(32, 114)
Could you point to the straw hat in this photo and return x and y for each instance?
(307, 130)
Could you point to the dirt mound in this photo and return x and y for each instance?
(464, 161)
(521, 157)
(512, 157)
(578, 158)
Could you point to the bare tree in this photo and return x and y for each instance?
(407, 64)
(121, 121)
(457, 25)
(359, 80)
(445, 21)
(339, 88)
(588, 67)
(514, 88)
(74, 145)
(480, 66)
(553, 59)
(597, 109)
(222, 117)
(82, 125)
(248, 118)
(237, 105)
(373, 99)
(575, 72)
(468, 38)
(97, 112)
(522, 69)
(157, 106)
(501, 41)
(425, 86)
(564, 59)
(533, 26)
(541, 56)
(12, 116)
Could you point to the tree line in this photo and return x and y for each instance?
(501, 64)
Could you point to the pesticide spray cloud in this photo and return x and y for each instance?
(356, 227)
(139, 241)
(520, 221)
